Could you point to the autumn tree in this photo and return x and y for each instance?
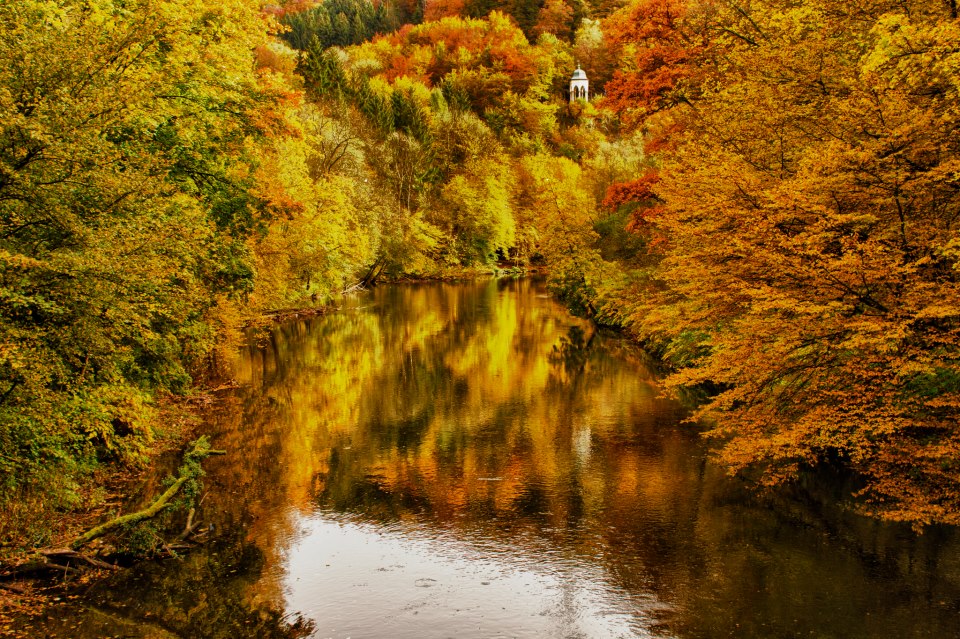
(660, 43)
(126, 175)
(321, 239)
(811, 259)
(591, 50)
(552, 202)
(436, 9)
(663, 46)
(555, 17)
(446, 104)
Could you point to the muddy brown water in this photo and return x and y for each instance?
(470, 461)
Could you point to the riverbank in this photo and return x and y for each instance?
(35, 521)
(468, 459)
(31, 525)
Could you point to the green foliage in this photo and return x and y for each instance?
(141, 539)
(616, 243)
(323, 70)
(191, 467)
(144, 537)
(128, 138)
(337, 23)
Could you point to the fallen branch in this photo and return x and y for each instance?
(152, 510)
(52, 560)
(201, 449)
(54, 554)
(190, 527)
(354, 288)
(36, 566)
(17, 588)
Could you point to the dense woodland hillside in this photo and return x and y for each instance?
(764, 193)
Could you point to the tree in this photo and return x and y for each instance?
(553, 204)
(591, 50)
(555, 17)
(335, 23)
(811, 267)
(125, 163)
(661, 43)
(436, 9)
(478, 204)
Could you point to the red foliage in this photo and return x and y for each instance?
(637, 190)
(664, 59)
(641, 217)
(400, 66)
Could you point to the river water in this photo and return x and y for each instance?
(470, 461)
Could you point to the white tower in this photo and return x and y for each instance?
(579, 86)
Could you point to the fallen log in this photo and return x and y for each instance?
(34, 567)
(17, 588)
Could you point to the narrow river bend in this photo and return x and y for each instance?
(470, 461)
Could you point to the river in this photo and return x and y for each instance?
(470, 461)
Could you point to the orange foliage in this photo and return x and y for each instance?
(812, 267)
(269, 57)
(437, 9)
(429, 51)
(662, 139)
(289, 7)
(555, 17)
(662, 49)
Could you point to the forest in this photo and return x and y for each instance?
(765, 194)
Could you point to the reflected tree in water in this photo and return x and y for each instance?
(208, 594)
(573, 351)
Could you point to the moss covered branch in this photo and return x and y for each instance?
(190, 471)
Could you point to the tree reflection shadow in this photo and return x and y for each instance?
(203, 595)
(573, 351)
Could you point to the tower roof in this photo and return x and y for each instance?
(579, 74)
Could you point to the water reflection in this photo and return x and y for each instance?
(470, 461)
(205, 594)
(424, 583)
(474, 413)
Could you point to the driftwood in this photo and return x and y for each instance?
(67, 554)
